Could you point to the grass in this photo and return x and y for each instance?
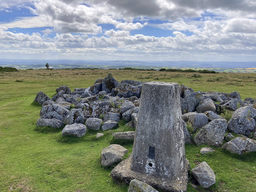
(33, 159)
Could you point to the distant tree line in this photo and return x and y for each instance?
(171, 70)
(8, 69)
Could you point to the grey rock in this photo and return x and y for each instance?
(243, 121)
(187, 135)
(249, 101)
(112, 116)
(127, 115)
(126, 106)
(75, 116)
(41, 98)
(211, 115)
(229, 137)
(212, 134)
(99, 135)
(189, 99)
(240, 145)
(76, 130)
(206, 105)
(204, 175)
(109, 83)
(54, 123)
(134, 118)
(231, 105)
(138, 186)
(126, 90)
(64, 89)
(93, 123)
(206, 150)
(124, 136)
(109, 125)
(197, 120)
(112, 154)
(235, 95)
(54, 111)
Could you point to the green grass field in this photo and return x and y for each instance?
(41, 160)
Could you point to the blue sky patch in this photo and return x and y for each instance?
(153, 31)
(14, 13)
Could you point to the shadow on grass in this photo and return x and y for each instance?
(46, 130)
(69, 139)
(247, 157)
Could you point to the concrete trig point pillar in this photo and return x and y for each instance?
(158, 156)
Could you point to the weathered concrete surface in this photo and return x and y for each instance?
(158, 153)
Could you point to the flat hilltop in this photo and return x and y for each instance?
(41, 160)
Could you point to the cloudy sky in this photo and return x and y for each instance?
(160, 30)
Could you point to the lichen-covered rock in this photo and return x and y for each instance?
(76, 130)
(212, 134)
(197, 120)
(211, 115)
(126, 106)
(93, 123)
(75, 116)
(112, 116)
(204, 175)
(128, 88)
(187, 135)
(231, 104)
(112, 154)
(41, 98)
(53, 123)
(229, 137)
(189, 99)
(240, 145)
(243, 121)
(206, 105)
(138, 186)
(127, 115)
(109, 125)
(54, 111)
(124, 136)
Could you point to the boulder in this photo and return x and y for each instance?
(211, 115)
(124, 136)
(109, 83)
(109, 125)
(229, 137)
(212, 134)
(134, 120)
(112, 154)
(231, 105)
(126, 106)
(138, 186)
(75, 116)
(204, 175)
(76, 130)
(243, 121)
(93, 123)
(197, 120)
(189, 99)
(54, 123)
(112, 116)
(187, 135)
(54, 111)
(240, 145)
(206, 105)
(41, 98)
(128, 88)
(64, 89)
(206, 150)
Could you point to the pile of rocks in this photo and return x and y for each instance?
(99, 107)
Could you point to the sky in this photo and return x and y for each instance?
(146, 30)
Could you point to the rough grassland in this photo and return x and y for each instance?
(41, 160)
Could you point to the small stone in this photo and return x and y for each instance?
(206, 150)
(76, 130)
(138, 186)
(93, 123)
(198, 120)
(211, 115)
(112, 154)
(204, 175)
(229, 137)
(124, 136)
(99, 135)
(109, 125)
